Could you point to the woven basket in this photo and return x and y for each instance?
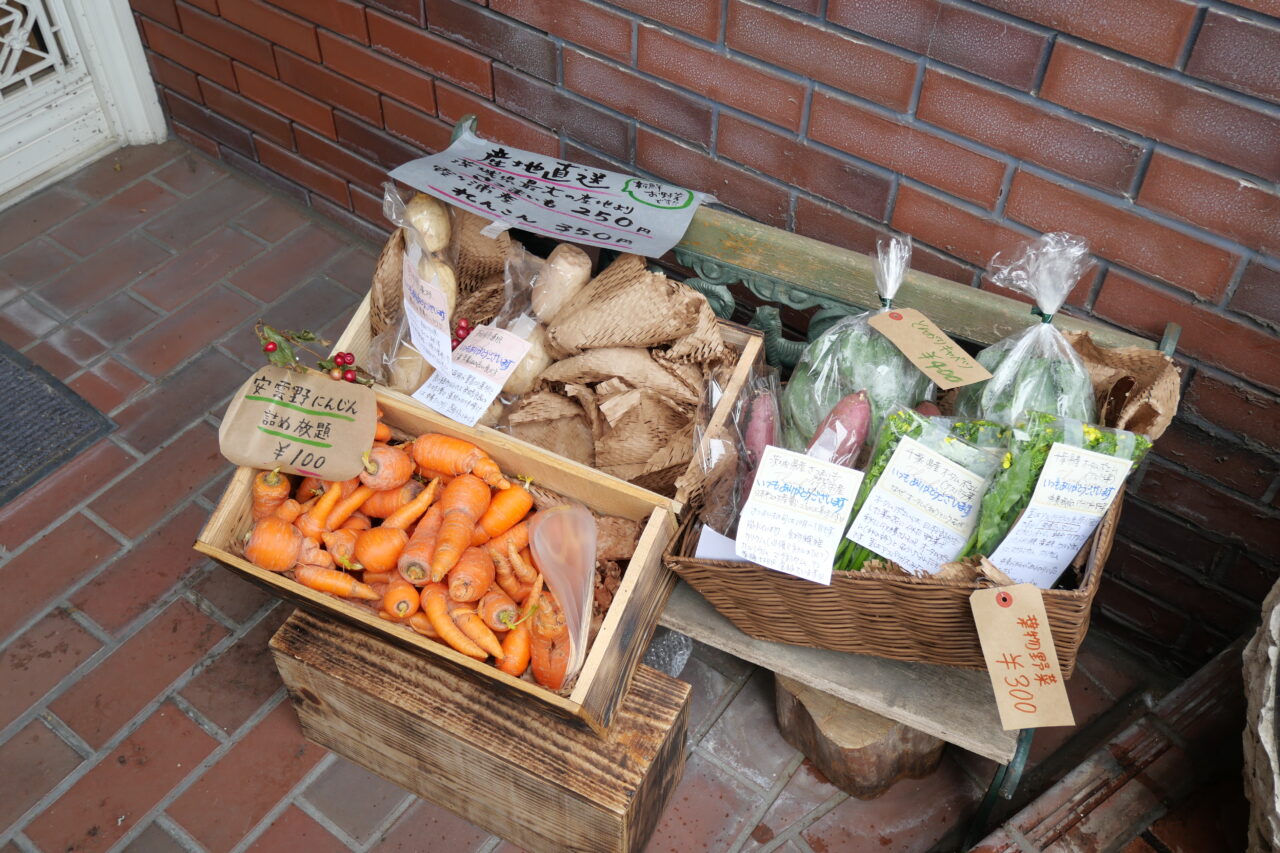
(893, 616)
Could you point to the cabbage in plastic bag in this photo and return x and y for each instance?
(851, 356)
(1035, 369)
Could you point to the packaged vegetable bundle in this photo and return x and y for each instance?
(1035, 370)
(851, 356)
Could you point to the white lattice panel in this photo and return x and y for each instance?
(30, 46)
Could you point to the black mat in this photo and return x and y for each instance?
(43, 423)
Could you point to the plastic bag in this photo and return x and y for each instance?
(1035, 370)
(851, 356)
(562, 540)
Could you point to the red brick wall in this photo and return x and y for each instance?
(1151, 127)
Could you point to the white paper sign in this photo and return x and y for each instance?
(480, 367)
(426, 309)
(715, 546)
(922, 509)
(1075, 489)
(795, 514)
(545, 195)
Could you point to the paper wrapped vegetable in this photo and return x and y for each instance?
(1035, 370)
(850, 357)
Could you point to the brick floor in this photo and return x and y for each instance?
(140, 709)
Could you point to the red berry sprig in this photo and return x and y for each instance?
(460, 331)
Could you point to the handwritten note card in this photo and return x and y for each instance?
(929, 348)
(546, 195)
(921, 511)
(480, 367)
(796, 511)
(1021, 659)
(1075, 489)
(426, 309)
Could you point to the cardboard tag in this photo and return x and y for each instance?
(1075, 490)
(922, 509)
(1021, 659)
(929, 348)
(479, 369)
(795, 514)
(302, 423)
(426, 310)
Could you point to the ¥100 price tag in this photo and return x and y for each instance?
(1013, 628)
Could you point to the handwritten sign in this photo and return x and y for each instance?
(546, 195)
(302, 423)
(1021, 659)
(921, 511)
(479, 369)
(1075, 489)
(929, 348)
(796, 511)
(426, 309)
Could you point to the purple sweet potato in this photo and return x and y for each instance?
(843, 431)
(761, 431)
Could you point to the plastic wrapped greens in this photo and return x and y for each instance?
(851, 356)
(1035, 370)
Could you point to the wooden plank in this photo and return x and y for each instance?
(848, 276)
(955, 705)
(540, 783)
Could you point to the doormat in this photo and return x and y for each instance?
(44, 423)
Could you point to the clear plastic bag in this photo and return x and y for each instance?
(1035, 370)
(562, 540)
(851, 356)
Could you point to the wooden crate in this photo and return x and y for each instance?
(627, 627)
(537, 781)
(748, 343)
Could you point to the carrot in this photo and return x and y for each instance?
(373, 578)
(432, 474)
(289, 510)
(309, 488)
(382, 504)
(381, 432)
(516, 646)
(454, 456)
(270, 489)
(505, 577)
(378, 549)
(409, 513)
(473, 626)
(463, 502)
(333, 582)
(506, 510)
(471, 578)
(420, 623)
(402, 598)
(549, 643)
(274, 544)
(497, 609)
(313, 522)
(415, 560)
(357, 521)
(386, 467)
(548, 617)
(313, 555)
(346, 506)
(521, 564)
(342, 545)
(435, 603)
(518, 536)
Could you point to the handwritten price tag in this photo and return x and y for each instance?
(797, 509)
(929, 348)
(1075, 489)
(426, 309)
(479, 369)
(1021, 659)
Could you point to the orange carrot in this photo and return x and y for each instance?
(289, 510)
(402, 598)
(432, 474)
(346, 506)
(506, 509)
(505, 577)
(455, 456)
(382, 504)
(550, 660)
(521, 564)
(309, 488)
(373, 578)
(472, 576)
(334, 582)
(378, 549)
(463, 502)
(381, 432)
(313, 555)
(386, 467)
(415, 560)
(516, 646)
(518, 536)
(342, 545)
(422, 624)
(409, 513)
(466, 618)
(435, 603)
(313, 522)
(497, 609)
(274, 544)
(357, 521)
(270, 489)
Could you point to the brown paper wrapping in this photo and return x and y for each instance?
(1135, 388)
(555, 423)
(476, 257)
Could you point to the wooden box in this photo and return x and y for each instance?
(748, 343)
(527, 776)
(627, 627)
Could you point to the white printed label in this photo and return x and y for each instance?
(426, 309)
(921, 511)
(796, 511)
(1075, 489)
(480, 367)
(715, 546)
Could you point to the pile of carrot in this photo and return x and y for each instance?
(431, 535)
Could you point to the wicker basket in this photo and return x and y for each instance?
(893, 616)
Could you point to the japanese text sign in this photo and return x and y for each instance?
(929, 348)
(795, 514)
(426, 309)
(1021, 659)
(546, 195)
(480, 367)
(302, 423)
(922, 509)
(1075, 489)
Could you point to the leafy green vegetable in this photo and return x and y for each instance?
(1029, 374)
